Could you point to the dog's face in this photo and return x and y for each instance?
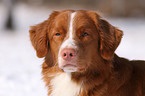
(76, 40)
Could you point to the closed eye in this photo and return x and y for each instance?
(57, 34)
(85, 34)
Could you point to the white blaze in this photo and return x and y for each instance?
(68, 43)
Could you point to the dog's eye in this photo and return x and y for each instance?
(57, 34)
(85, 34)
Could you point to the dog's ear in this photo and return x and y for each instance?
(39, 36)
(39, 39)
(110, 38)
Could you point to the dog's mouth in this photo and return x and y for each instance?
(70, 68)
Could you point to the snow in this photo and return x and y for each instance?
(20, 69)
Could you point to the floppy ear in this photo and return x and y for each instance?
(110, 38)
(39, 40)
(39, 36)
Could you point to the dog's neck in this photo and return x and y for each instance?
(62, 85)
(66, 84)
(90, 79)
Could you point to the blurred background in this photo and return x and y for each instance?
(20, 69)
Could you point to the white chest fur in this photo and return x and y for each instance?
(62, 85)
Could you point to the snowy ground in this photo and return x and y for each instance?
(20, 69)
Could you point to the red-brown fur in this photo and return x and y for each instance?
(103, 73)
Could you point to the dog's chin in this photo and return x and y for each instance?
(70, 69)
(73, 69)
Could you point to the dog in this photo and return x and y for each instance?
(78, 46)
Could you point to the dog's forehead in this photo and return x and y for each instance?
(83, 19)
(62, 19)
(80, 19)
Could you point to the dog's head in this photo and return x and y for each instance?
(75, 40)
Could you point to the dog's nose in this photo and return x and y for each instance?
(68, 54)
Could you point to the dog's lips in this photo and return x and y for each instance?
(69, 65)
